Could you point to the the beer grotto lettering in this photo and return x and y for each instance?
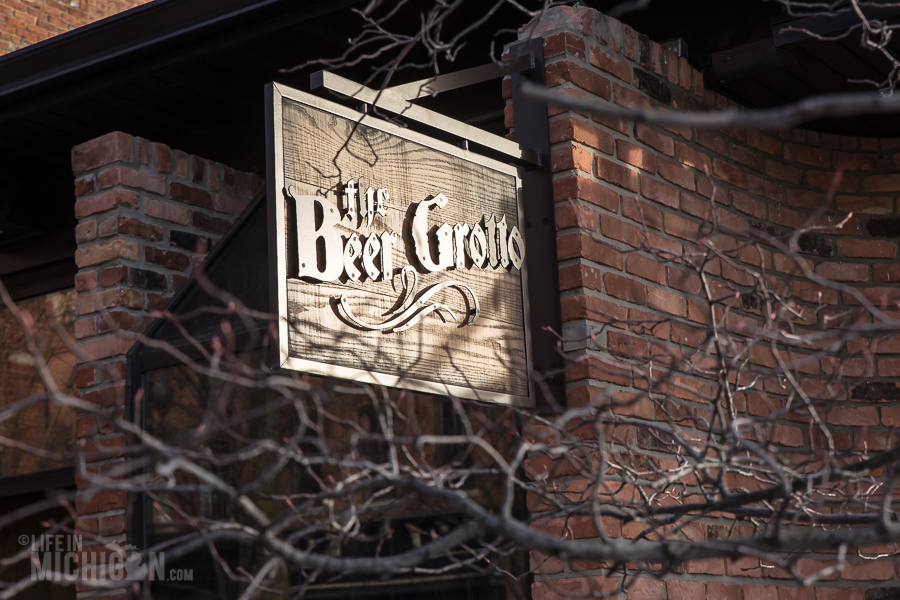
(324, 255)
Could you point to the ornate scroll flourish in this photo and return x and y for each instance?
(410, 313)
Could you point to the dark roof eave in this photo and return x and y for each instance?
(151, 29)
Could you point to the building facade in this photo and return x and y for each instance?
(633, 204)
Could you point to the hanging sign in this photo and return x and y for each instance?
(398, 258)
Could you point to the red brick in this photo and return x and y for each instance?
(562, 130)
(729, 173)
(85, 328)
(575, 187)
(838, 593)
(642, 212)
(781, 215)
(144, 151)
(85, 281)
(574, 308)
(748, 205)
(625, 288)
(809, 155)
(85, 376)
(784, 172)
(108, 227)
(105, 251)
(103, 347)
(87, 527)
(118, 320)
(136, 228)
(582, 246)
(563, 43)
(745, 156)
(575, 215)
(565, 71)
(890, 416)
(732, 223)
(658, 191)
(112, 525)
(865, 205)
(617, 174)
(680, 227)
(769, 189)
(106, 201)
(609, 63)
(647, 268)
(695, 206)
(786, 435)
(190, 195)
(867, 248)
(710, 140)
(810, 199)
(853, 415)
(87, 503)
(132, 178)
(234, 206)
(86, 232)
(766, 143)
(826, 180)
(626, 346)
(112, 147)
(706, 566)
(858, 161)
(745, 566)
(166, 211)
(683, 281)
(656, 140)
(882, 183)
(167, 258)
(868, 570)
(577, 276)
(629, 98)
(887, 272)
(570, 157)
(156, 301)
(105, 397)
(719, 590)
(198, 169)
(635, 156)
(760, 592)
(616, 229)
(670, 66)
(836, 271)
(163, 158)
(84, 186)
(103, 449)
(675, 173)
(645, 588)
(86, 426)
(692, 158)
(112, 275)
(665, 301)
(665, 246)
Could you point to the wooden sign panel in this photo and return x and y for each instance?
(399, 259)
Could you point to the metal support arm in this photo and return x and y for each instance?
(396, 100)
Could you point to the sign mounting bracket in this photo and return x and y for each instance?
(397, 99)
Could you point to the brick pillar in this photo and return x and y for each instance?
(143, 211)
(621, 189)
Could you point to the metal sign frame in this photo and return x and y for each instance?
(275, 96)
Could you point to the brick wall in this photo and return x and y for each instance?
(24, 22)
(145, 215)
(621, 190)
